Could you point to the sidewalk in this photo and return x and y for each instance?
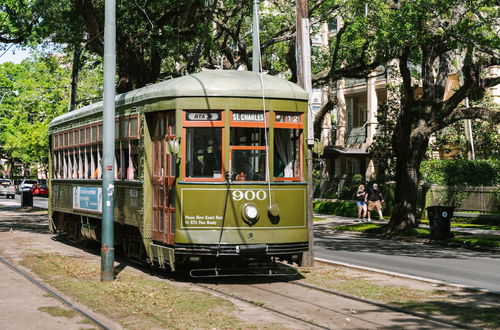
(338, 220)
(26, 306)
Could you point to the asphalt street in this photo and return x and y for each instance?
(41, 202)
(478, 269)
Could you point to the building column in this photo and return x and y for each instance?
(341, 113)
(372, 106)
(370, 170)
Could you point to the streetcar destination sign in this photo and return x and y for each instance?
(248, 116)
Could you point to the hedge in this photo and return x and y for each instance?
(461, 172)
(340, 208)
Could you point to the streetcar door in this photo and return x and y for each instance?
(163, 178)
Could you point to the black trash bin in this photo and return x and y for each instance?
(439, 221)
(26, 198)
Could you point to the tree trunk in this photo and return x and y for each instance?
(410, 148)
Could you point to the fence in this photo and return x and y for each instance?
(483, 199)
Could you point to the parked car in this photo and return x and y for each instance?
(25, 185)
(39, 189)
(7, 189)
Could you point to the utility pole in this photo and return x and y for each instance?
(108, 144)
(256, 37)
(303, 55)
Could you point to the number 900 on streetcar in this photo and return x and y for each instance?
(209, 170)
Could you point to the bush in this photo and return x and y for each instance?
(461, 172)
(340, 208)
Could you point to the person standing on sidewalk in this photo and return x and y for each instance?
(374, 199)
(360, 201)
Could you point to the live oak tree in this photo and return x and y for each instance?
(426, 38)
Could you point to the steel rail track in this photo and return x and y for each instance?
(437, 321)
(382, 305)
(310, 323)
(54, 294)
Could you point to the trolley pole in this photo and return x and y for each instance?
(303, 55)
(108, 143)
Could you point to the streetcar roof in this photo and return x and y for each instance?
(209, 83)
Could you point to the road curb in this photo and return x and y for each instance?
(412, 277)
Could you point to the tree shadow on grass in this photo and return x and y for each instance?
(472, 309)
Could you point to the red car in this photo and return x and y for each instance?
(40, 190)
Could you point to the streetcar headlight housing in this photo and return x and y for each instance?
(250, 213)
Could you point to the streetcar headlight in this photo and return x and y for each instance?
(250, 213)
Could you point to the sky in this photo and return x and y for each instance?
(14, 54)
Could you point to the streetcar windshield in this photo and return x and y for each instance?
(204, 152)
(248, 153)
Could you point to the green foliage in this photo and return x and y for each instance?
(488, 241)
(344, 209)
(486, 137)
(461, 172)
(366, 227)
(357, 179)
(41, 88)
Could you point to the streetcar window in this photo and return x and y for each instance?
(118, 162)
(248, 153)
(87, 135)
(248, 136)
(249, 165)
(132, 162)
(134, 127)
(126, 160)
(94, 133)
(287, 153)
(204, 152)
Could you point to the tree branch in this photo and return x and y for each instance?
(406, 74)
(461, 113)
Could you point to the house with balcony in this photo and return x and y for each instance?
(349, 134)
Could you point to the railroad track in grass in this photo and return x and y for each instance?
(312, 307)
(308, 306)
(54, 294)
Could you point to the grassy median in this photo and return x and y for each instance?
(470, 308)
(463, 238)
(136, 302)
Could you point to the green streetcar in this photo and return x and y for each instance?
(209, 171)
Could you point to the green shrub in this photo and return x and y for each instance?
(461, 172)
(340, 208)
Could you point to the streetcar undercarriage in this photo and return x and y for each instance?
(200, 260)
